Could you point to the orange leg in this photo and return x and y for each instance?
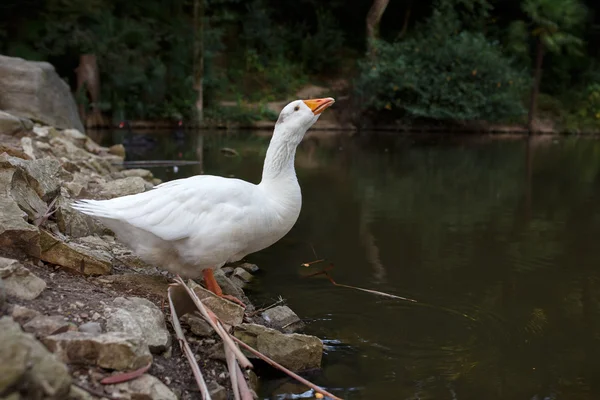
(213, 286)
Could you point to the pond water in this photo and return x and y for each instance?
(495, 238)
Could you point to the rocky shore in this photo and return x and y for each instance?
(76, 306)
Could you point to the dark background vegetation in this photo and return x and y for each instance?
(431, 60)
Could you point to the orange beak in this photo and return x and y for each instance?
(319, 105)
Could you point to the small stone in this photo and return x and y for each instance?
(142, 173)
(227, 285)
(142, 318)
(43, 325)
(227, 270)
(117, 150)
(252, 268)
(146, 387)
(227, 311)
(75, 136)
(96, 316)
(91, 327)
(121, 187)
(77, 393)
(294, 351)
(111, 350)
(242, 274)
(198, 325)
(216, 391)
(23, 314)
(74, 256)
(283, 318)
(19, 281)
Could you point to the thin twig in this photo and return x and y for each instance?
(231, 366)
(244, 362)
(330, 267)
(185, 347)
(244, 389)
(39, 221)
(308, 264)
(125, 376)
(417, 303)
(95, 392)
(287, 371)
(252, 314)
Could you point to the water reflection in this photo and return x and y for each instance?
(502, 231)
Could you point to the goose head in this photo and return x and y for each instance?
(298, 116)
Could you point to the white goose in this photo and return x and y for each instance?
(194, 225)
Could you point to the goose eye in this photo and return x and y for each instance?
(296, 108)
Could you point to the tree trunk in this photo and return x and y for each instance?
(405, 24)
(88, 82)
(199, 57)
(373, 18)
(537, 76)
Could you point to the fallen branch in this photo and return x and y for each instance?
(125, 376)
(244, 389)
(418, 303)
(185, 347)
(39, 221)
(231, 364)
(243, 360)
(284, 369)
(308, 264)
(252, 314)
(330, 267)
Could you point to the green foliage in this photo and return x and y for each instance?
(441, 76)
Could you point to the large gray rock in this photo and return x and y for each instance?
(294, 351)
(27, 367)
(15, 233)
(141, 318)
(146, 387)
(18, 281)
(74, 256)
(73, 223)
(43, 175)
(34, 90)
(112, 350)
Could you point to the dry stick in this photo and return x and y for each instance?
(185, 347)
(284, 369)
(125, 376)
(231, 366)
(245, 363)
(252, 314)
(418, 303)
(244, 389)
(324, 272)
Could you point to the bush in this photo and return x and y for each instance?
(442, 76)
